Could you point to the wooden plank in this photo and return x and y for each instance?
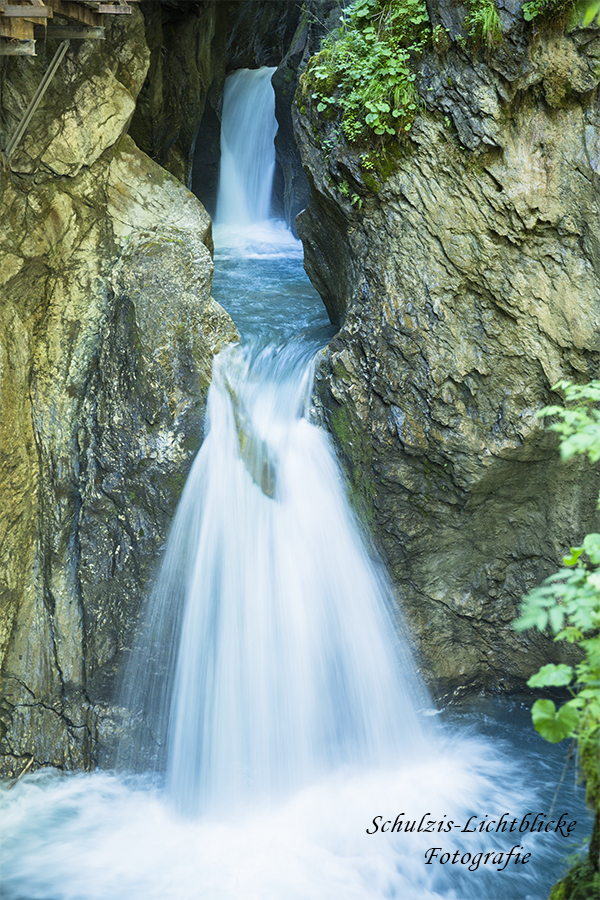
(114, 9)
(79, 13)
(71, 32)
(25, 12)
(36, 99)
(17, 48)
(17, 29)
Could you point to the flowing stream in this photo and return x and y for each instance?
(277, 721)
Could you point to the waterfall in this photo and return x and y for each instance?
(247, 149)
(242, 222)
(288, 664)
(271, 689)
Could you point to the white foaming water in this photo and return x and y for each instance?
(97, 837)
(288, 664)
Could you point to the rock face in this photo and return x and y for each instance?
(193, 45)
(187, 43)
(316, 19)
(107, 332)
(465, 288)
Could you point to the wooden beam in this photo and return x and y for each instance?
(25, 12)
(36, 100)
(114, 9)
(16, 29)
(17, 48)
(79, 13)
(71, 32)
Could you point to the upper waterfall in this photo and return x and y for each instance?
(243, 224)
(247, 150)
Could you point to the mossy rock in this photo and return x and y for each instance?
(582, 882)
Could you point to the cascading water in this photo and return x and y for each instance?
(247, 148)
(243, 225)
(287, 667)
(270, 690)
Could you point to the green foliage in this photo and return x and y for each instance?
(553, 724)
(363, 74)
(579, 426)
(577, 12)
(533, 9)
(483, 22)
(589, 13)
(344, 189)
(568, 603)
(440, 39)
(581, 882)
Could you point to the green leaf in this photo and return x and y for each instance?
(571, 560)
(590, 14)
(554, 725)
(551, 676)
(591, 545)
(557, 617)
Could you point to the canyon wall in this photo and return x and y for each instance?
(466, 283)
(107, 332)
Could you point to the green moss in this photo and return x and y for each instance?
(359, 456)
(582, 882)
(371, 182)
(175, 483)
(440, 39)
(192, 442)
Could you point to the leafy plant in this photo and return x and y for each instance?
(363, 74)
(568, 603)
(582, 13)
(483, 22)
(440, 39)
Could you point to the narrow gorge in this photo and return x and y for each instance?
(278, 651)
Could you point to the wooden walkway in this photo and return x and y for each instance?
(21, 24)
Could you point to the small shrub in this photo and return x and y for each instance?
(364, 71)
(483, 22)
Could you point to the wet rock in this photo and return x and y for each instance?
(316, 19)
(107, 332)
(187, 43)
(465, 288)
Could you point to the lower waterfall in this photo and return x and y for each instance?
(281, 746)
(288, 666)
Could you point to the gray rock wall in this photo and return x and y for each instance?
(107, 332)
(465, 288)
(186, 72)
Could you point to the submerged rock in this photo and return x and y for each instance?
(465, 285)
(107, 333)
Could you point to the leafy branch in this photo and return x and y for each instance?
(568, 603)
